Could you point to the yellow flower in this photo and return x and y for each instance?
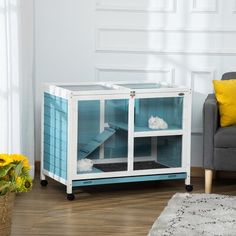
(19, 157)
(14, 174)
(5, 159)
(23, 184)
(19, 182)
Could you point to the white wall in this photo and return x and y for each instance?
(188, 42)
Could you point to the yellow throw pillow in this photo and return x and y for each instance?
(225, 91)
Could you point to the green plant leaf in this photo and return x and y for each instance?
(4, 170)
(4, 185)
(14, 177)
(18, 169)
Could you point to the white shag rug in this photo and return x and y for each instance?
(196, 215)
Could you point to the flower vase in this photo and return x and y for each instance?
(6, 208)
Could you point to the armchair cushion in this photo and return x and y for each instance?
(225, 91)
(225, 137)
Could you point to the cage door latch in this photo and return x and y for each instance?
(132, 94)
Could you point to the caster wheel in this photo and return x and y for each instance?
(189, 188)
(70, 197)
(44, 183)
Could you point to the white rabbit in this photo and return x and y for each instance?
(157, 123)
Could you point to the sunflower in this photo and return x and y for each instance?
(5, 159)
(23, 184)
(14, 174)
(19, 157)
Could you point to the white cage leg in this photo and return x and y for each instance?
(188, 179)
(69, 188)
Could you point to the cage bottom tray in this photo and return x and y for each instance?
(141, 165)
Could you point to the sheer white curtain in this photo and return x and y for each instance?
(16, 78)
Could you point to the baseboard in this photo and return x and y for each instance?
(37, 166)
(226, 174)
(198, 172)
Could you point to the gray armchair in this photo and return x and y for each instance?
(219, 144)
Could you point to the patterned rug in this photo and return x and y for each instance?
(197, 214)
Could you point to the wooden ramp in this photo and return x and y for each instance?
(96, 142)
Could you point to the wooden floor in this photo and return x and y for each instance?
(127, 209)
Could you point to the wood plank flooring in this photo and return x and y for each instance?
(126, 209)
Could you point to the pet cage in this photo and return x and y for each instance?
(106, 133)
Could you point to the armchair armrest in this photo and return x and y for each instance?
(210, 125)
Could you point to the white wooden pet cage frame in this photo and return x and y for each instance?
(61, 125)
